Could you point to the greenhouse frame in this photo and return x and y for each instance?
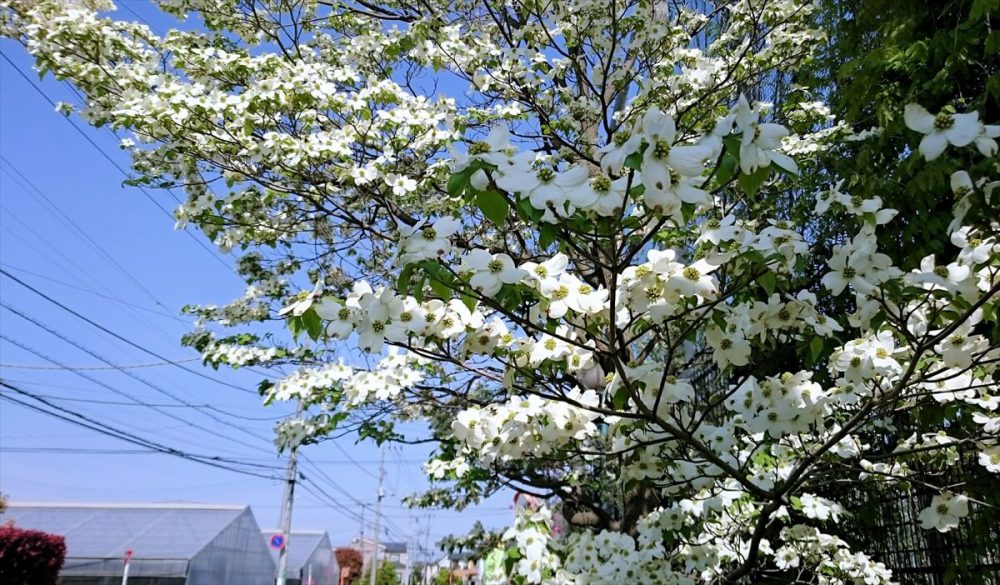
(171, 544)
(310, 558)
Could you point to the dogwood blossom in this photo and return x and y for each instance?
(944, 512)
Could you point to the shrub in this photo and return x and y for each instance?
(30, 557)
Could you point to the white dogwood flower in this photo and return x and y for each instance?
(941, 130)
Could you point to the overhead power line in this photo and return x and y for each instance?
(130, 374)
(87, 422)
(118, 336)
(156, 312)
(145, 404)
(96, 368)
(108, 157)
(34, 191)
(130, 397)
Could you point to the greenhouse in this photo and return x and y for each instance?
(171, 544)
(310, 558)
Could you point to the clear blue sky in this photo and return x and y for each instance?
(71, 230)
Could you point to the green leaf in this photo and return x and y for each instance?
(992, 43)
(727, 168)
(547, 235)
(769, 281)
(981, 8)
(312, 323)
(493, 206)
(458, 182)
(418, 290)
(634, 160)
(295, 326)
(527, 211)
(815, 348)
(620, 399)
(752, 182)
(403, 282)
(440, 288)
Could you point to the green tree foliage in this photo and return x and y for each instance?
(443, 577)
(886, 52)
(386, 575)
(945, 55)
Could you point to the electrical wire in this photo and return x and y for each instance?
(68, 221)
(130, 374)
(84, 421)
(95, 293)
(146, 404)
(95, 368)
(129, 396)
(111, 160)
(118, 336)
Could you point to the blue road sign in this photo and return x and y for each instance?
(277, 541)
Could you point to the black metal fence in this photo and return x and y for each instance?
(884, 520)
(884, 523)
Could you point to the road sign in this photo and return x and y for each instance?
(278, 541)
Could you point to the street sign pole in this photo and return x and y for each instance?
(128, 558)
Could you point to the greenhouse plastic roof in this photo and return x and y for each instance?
(301, 546)
(157, 531)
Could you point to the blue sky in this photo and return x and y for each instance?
(70, 229)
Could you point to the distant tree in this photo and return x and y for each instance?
(350, 562)
(443, 577)
(30, 557)
(386, 575)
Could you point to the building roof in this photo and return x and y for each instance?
(106, 531)
(301, 546)
(394, 547)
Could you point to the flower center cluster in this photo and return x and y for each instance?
(943, 121)
(479, 148)
(661, 149)
(601, 183)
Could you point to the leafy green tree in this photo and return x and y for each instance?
(386, 575)
(886, 52)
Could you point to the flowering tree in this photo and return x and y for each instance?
(567, 240)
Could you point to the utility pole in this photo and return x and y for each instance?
(286, 508)
(362, 533)
(378, 517)
(408, 567)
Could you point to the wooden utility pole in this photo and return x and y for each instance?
(378, 518)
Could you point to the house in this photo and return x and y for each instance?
(396, 553)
